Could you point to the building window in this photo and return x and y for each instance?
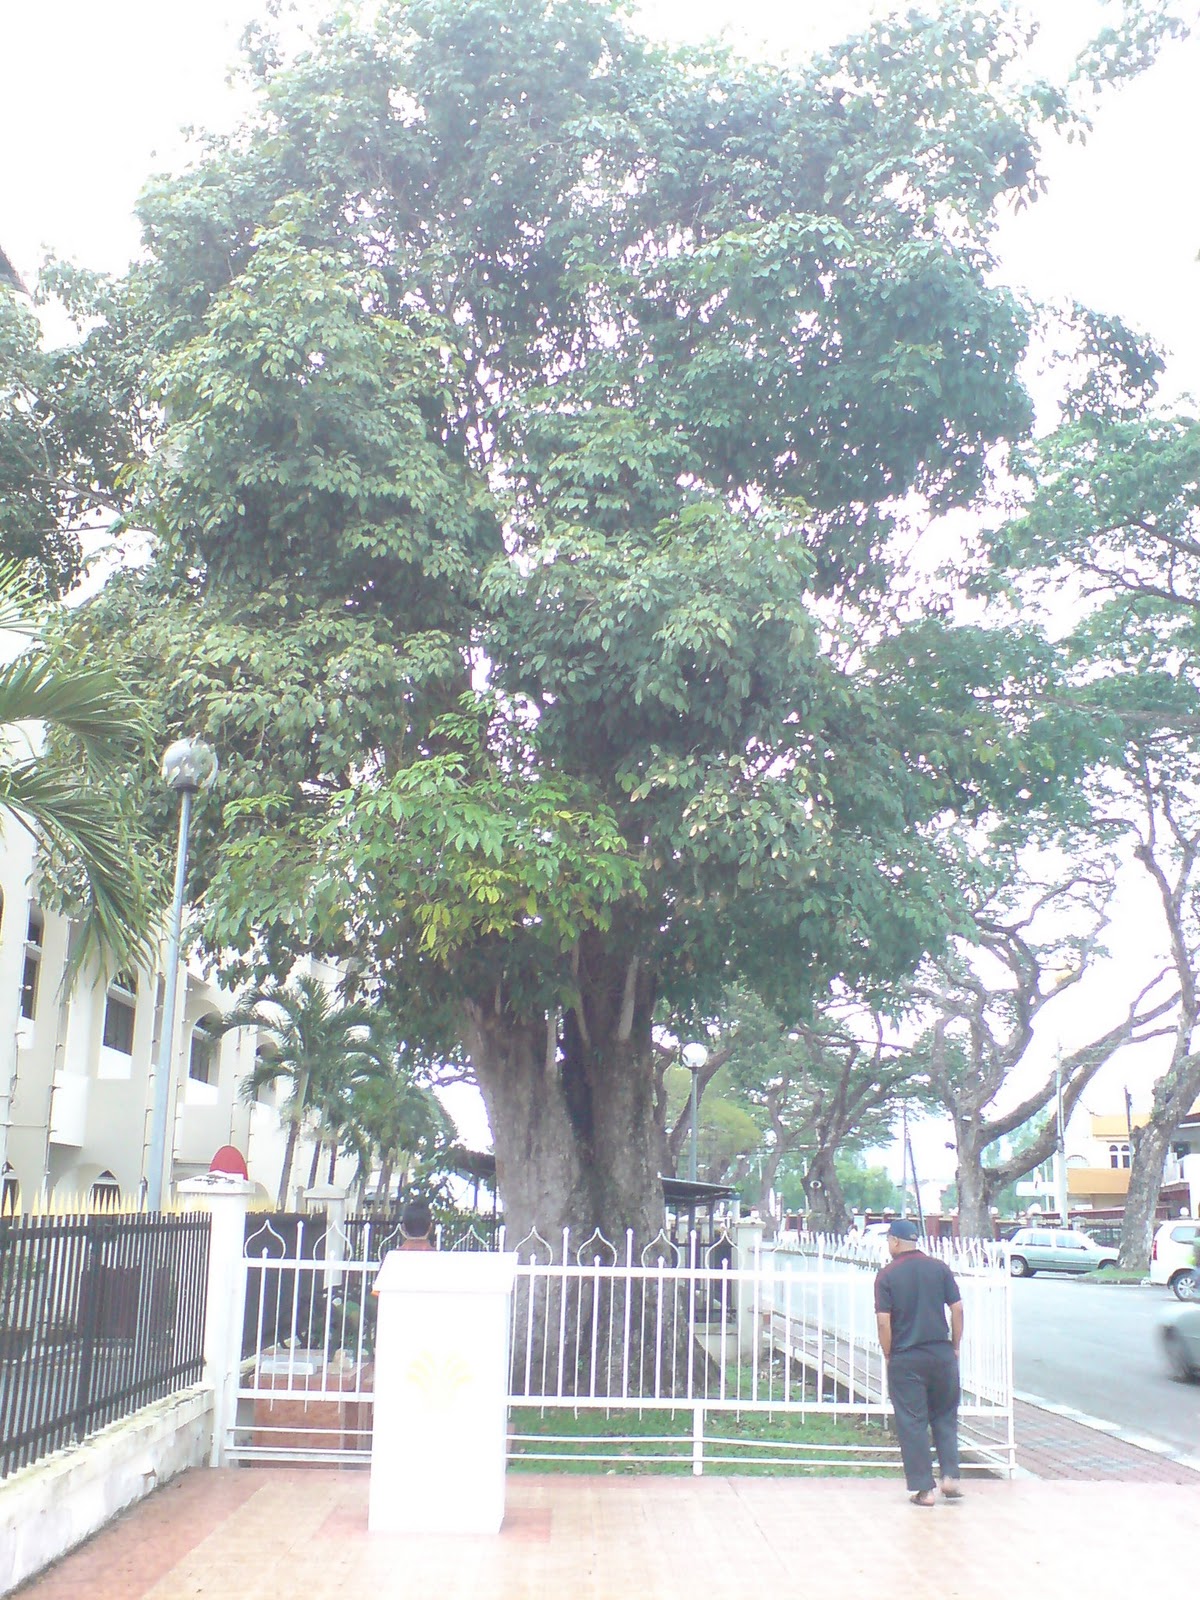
(1119, 1155)
(120, 1010)
(33, 963)
(202, 1063)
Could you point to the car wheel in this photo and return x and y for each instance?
(1019, 1267)
(1183, 1286)
(1109, 1261)
(1177, 1356)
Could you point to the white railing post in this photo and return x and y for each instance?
(226, 1199)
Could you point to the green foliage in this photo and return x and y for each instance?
(71, 418)
(728, 1133)
(867, 1188)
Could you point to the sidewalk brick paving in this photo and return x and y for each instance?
(1053, 1446)
(277, 1533)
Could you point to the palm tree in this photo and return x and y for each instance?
(317, 1045)
(393, 1121)
(70, 798)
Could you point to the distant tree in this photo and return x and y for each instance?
(391, 1125)
(817, 1088)
(1116, 514)
(320, 1049)
(867, 1188)
(727, 1136)
(1036, 938)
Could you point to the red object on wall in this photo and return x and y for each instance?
(231, 1160)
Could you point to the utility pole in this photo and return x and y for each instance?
(904, 1159)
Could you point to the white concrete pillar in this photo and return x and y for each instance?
(441, 1392)
(226, 1199)
(747, 1239)
(331, 1199)
(17, 863)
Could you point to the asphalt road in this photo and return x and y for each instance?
(1096, 1348)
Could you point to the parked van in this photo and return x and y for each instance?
(1173, 1256)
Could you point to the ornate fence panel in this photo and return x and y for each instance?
(657, 1356)
(306, 1386)
(99, 1316)
(773, 1361)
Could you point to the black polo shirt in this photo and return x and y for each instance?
(915, 1289)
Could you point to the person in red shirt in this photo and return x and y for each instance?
(913, 1294)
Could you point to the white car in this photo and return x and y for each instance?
(1173, 1257)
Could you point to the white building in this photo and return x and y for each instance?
(77, 1068)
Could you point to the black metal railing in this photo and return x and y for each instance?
(99, 1316)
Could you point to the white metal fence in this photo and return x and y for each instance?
(673, 1359)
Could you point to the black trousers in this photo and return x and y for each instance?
(923, 1384)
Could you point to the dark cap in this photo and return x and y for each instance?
(902, 1228)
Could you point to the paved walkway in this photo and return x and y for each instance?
(1092, 1514)
(278, 1533)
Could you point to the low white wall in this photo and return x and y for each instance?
(49, 1508)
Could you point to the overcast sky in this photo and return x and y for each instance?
(93, 97)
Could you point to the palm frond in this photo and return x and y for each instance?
(20, 603)
(77, 822)
(90, 706)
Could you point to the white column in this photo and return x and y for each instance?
(441, 1392)
(747, 1237)
(226, 1199)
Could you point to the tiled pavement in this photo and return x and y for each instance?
(273, 1534)
(279, 1533)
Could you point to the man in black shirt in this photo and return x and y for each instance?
(912, 1295)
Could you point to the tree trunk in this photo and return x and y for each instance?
(570, 1099)
(827, 1209)
(289, 1155)
(974, 1189)
(1150, 1146)
(770, 1171)
(383, 1188)
(315, 1164)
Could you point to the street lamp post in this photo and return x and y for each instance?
(693, 1057)
(188, 766)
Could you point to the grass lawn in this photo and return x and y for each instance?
(626, 1441)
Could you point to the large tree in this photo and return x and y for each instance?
(545, 412)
